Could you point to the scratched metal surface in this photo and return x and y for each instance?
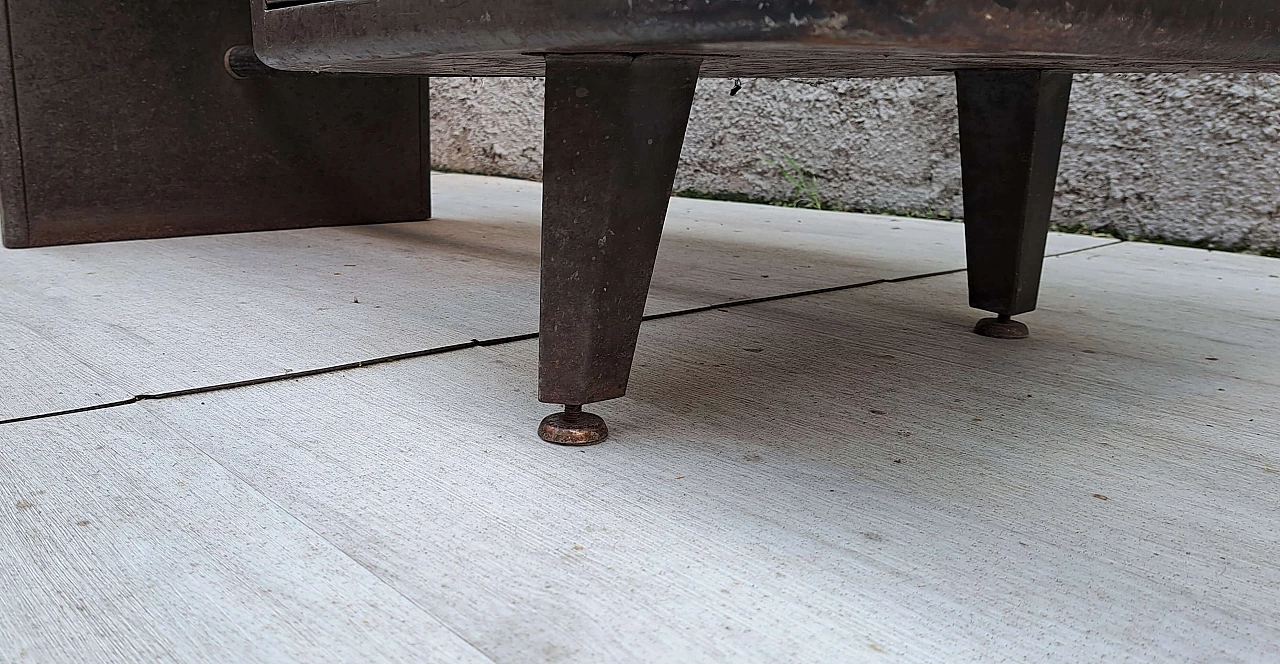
(777, 37)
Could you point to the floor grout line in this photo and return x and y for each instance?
(497, 341)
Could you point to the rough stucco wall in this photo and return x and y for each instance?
(1178, 158)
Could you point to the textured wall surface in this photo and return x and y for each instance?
(1178, 158)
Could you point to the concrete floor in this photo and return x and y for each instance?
(841, 477)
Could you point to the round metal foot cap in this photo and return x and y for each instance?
(1001, 328)
(573, 427)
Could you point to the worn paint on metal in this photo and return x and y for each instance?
(777, 37)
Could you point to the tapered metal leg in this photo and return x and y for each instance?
(614, 128)
(1011, 126)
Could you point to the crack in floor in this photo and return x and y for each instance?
(496, 341)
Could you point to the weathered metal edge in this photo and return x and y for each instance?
(767, 65)
(424, 147)
(13, 190)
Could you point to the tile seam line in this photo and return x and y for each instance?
(497, 341)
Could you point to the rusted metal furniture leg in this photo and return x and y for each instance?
(614, 128)
(1011, 125)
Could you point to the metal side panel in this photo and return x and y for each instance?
(119, 121)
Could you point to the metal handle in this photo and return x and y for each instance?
(241, 63)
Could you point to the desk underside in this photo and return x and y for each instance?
(753, 61)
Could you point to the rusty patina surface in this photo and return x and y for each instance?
(119, 120)
(778, 37)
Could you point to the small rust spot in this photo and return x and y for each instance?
(577, 547)
(24, 505)
(82, 522)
